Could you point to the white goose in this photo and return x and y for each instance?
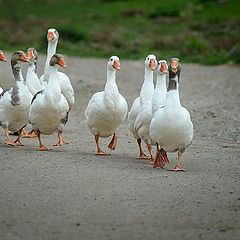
(64, 81)
(108, 109)
(32, 82)
(145, 115)
(32, 79)
(145, 95)
(15, 103)
(49, 108)
(171, 126)
(2, 58)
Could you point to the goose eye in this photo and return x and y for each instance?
(111, 59)
(148, 58)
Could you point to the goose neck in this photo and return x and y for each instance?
(111, 83)
(17, 72)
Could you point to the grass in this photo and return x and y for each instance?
(203, 31)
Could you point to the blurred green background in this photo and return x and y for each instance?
(203, 31)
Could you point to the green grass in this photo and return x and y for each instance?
(203, 31)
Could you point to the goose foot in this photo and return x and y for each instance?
(60, 142)
(18, 143)
(101, 153)
(113, 143)
(10, 143)
(143, 156)
(159, 160)
(31, 134)
(43, 148)
(177, 169)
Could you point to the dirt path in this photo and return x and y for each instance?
(69, 193)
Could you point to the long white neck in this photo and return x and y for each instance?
(111, 86)
(172, 98)
(160, 92)
(32, 67)
(52, 46)
(53, 89)
(147, 87)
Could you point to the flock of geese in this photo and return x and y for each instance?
(156, 117)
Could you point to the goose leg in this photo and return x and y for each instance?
(60, 142)
(142, 155)
(159, 160)
(41, 146)
(113, 143)
(164, 155)
(18, 142)
(150, 152)
(31, 134)
(9, 141)
(177, 168)
(99, 151)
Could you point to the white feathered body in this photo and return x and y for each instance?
(171, 126)
(14, 106)
(49, 108)
(106, 110)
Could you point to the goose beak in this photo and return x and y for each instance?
(2, 57)
(30, 55)
(62, 63)
(116, 65)
(163, 68)
(152, 64)
(50, 36)
(174, 65)
(24, 58)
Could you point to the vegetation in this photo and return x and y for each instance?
(204, 31)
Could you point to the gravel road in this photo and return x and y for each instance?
(69, 193)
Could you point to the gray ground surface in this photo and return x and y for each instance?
(69, 193)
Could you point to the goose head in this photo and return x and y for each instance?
(57, 59)
(52, 35)
(113, 63)
(162, 67)
(18, 56)
(32, 54)
(151, 62)
(2, 57)
(175, 65)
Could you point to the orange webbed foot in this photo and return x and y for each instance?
(101, 153)
(60, 143)
(31, 134)
(10, 143)
(43, 148)
(177, 169)
(143, 156)
(18, 143)
(159, 161)
(113, 143)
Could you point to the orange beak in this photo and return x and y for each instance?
(50, 36)
(24, 58)
(174, 65)
(152, 64)
(62, 63)
(2, 57)
(163, 68)
(116, 65)
(30, 55)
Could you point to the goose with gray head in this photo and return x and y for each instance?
(145, 95)
(32, 82)
(106, 110)
(171, 126)
(64, 81)
(145, 115)
(15, 103)
(49, 108)
(2, 58)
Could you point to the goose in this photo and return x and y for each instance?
(49, 108)
(144, 117)
(15, 102)
(145, 95)
(2, 58)
(171, 126)
(64, 81)
(32, 82)
(108, 109)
